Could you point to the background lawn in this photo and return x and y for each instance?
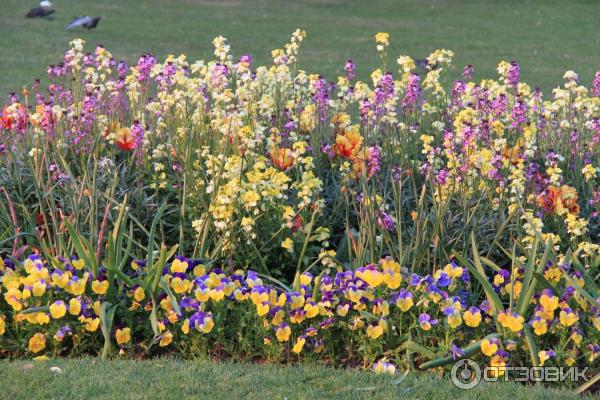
(177, 379)
(547, 38)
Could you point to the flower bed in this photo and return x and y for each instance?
(408, 222)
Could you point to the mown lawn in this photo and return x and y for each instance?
(546, 37)
(177, 379)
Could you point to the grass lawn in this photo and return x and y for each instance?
(175, 379)
(547, 38)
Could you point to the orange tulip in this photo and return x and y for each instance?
(125, 140)
(282, 158)
(348, 143)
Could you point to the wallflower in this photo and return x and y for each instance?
(288, 244)
(588, 172)
(14, 117)
(558, 200)
(2, 325)
(382, 38)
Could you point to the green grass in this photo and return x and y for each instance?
(174, 379)
(547, 38)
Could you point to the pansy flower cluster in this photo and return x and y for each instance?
(366, 313)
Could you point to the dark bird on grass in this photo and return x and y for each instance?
(43, 10)
(425, 65)
(86, 22)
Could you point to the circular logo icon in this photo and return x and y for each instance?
(466, 374)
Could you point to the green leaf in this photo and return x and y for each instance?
(529, 283)
(588, 384)
(174, 303)
(479, 273)
(417, 348)
(34, 310)
(107, 314)
(533, 349)
(469, 351)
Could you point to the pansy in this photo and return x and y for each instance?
(312, 310)
(456, 352)
(371, 275)
(76, 285)
(567, 317)
(472, 317)
(512, 321)
(37, 343)
(540, 326)
(138, 294)
(180, 284)
(426, 322)
(384, 367)
(545, 355)
(202, 321)
(489, 347)
(62, 332)
(497, 366)
(74, 306)
(283, 332)
(548, 301)
(299, 345)
(123, 336)
(91, 324)
(404, 300)
(165, 339)
(58, 309)
(99, 287)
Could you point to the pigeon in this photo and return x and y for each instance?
(83, 22)
(424, 65)
(43, 10)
